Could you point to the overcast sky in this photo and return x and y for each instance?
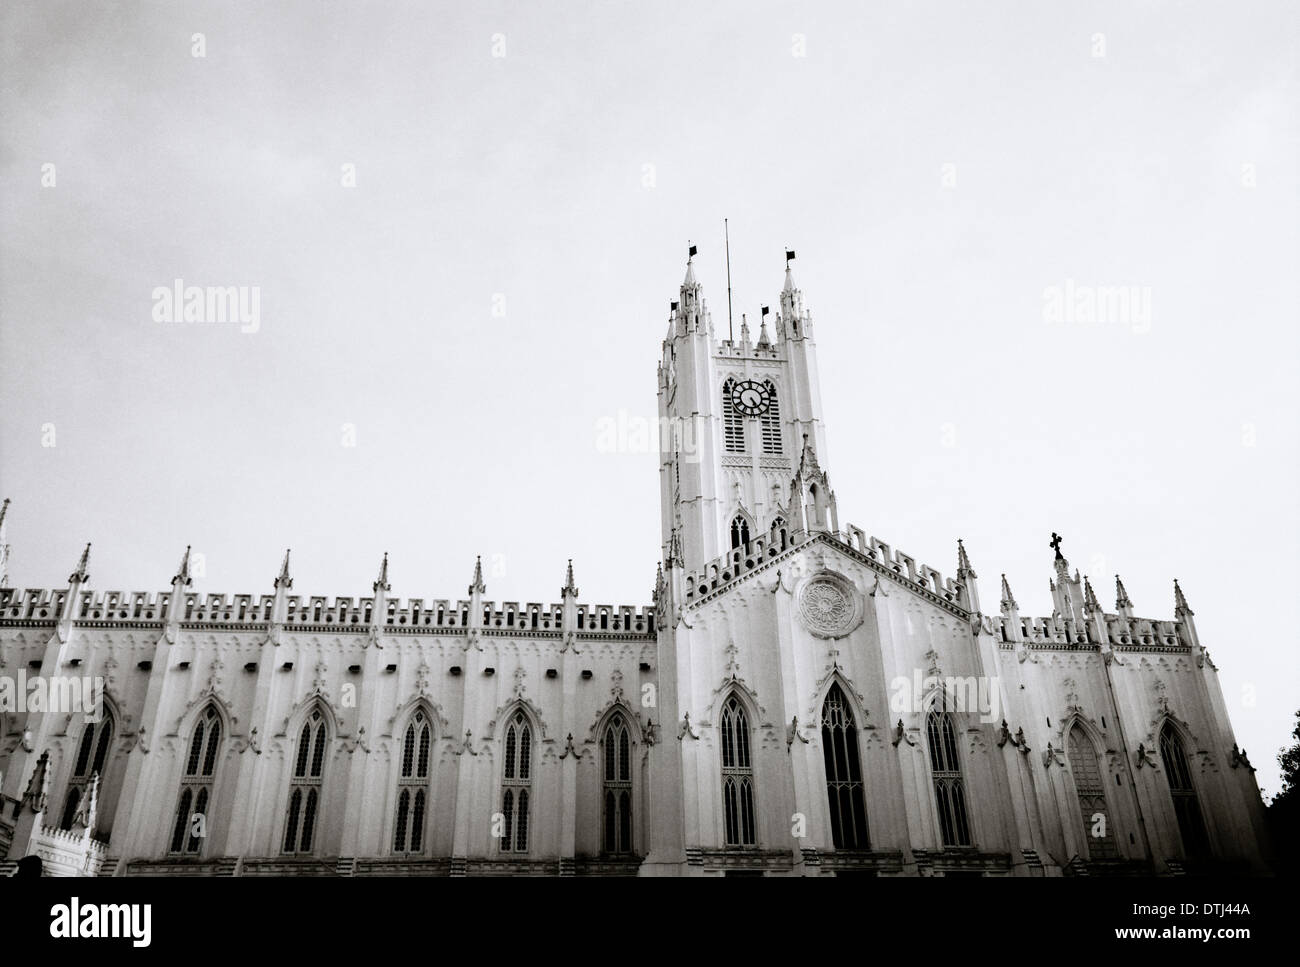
(497, 281)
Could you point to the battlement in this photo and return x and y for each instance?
(737, 562)
(904, 566)
(1136, 634)
(249, 610)
(740, 561)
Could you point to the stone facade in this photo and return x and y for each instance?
(798, 699)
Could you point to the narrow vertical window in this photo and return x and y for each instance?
(516, 779)
(733, 422)
(945, 768)
(1187, 808)
(412, 781)
(618, 787)
(770, 422)
(844, 789)
(191, 825)
(739, 531)
(305, 785)
(1091, 790)
(92, 755)
(737, 775)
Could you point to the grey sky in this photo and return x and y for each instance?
(953, 408)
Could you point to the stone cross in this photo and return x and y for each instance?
(1055, 543)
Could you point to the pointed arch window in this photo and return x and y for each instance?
(413, 785)
(945, 769)
(190, 826)
(770, 422)
(617, 788)
(737, 775)
(844, 789)
(305, 785)
(733, 422)
(739, 531)
(1091, 790)
(92, 755)
(516, 784)
(1187, 807)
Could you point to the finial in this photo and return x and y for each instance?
(964, 568)
(789, 277)
(1008, 599)
(79, 576)
(569, 589)
(1180, 603)
(183, 572)
(1121, 596)
(478, 584)
(383, 575)
(1090, 603)
(1055, 544)
(284, 581)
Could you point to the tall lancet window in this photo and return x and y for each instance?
(770, 422)
(1091, 790)
(191, 824)
(92, 753)
(618, 786)
(1196, 844)
(516, 782)
(739, 531)
(413, 786)
(945, 769)
(843, 773)
(305, 785)
(733, 422)
(737, 775)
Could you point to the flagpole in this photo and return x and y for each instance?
(731, 336)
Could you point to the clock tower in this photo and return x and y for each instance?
(744, 441)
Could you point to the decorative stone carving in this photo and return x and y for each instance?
(828, 604)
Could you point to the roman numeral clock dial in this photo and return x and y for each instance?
(750, 398)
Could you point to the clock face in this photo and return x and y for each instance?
(750, 398)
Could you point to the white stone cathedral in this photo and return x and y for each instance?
(798, 699)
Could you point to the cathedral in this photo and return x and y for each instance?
(798, 698)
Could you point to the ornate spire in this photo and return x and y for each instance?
(284, 581)
(1121, 596)
(789, 278)
(1008, 599)
(477, 584)
(1090, 603)
(80, 575)
(690, 273)
(183, 572)
(964, 569)
(383, 575)
(570, 589)
(1181, 608)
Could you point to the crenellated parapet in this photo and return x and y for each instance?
(901, 568)
(35, 607)
(1122, 634)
